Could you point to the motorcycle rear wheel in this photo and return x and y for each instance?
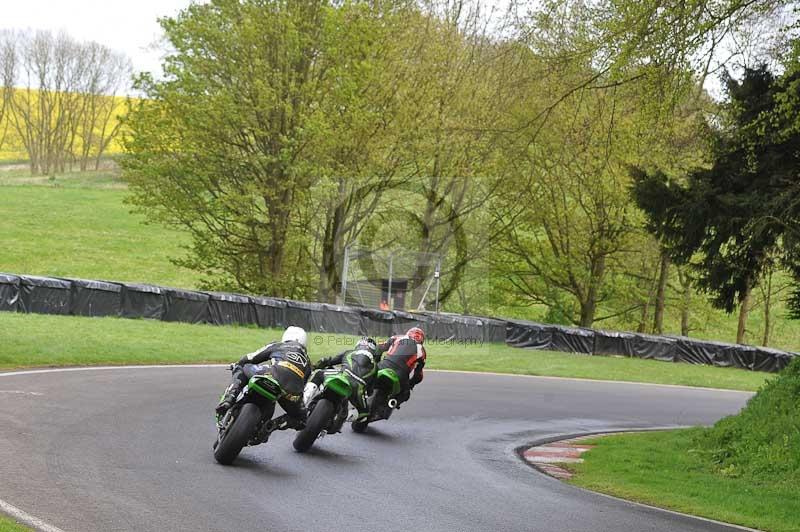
(319, 419)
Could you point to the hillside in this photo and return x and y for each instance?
(77, 225)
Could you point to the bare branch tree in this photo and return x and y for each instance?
(8, 68)
(107, 74)
(64, 108)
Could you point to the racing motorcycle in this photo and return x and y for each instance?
(327, 409)
(382, 402)
(249, 421)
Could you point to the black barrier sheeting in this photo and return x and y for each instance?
(634, 345)
(95, 298)
(529, 334)
(767, 359)
(739, 356)
(414, 319)
(270, 312)
(340, 319)
(377, 323)
(613, 343)
(468, 329)
(442, 327)
(403, 321)
(573, 339)
(230, 309)
(494, 331)
(701, 352)
(143, 301)
(186, 306)
(754, 358)
(454, 327)
(653, 347)
(305, 315)
(44, 295)
(9, 292)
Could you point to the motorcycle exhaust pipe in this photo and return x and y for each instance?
(392, 403)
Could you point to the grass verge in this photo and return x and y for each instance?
(8, 524)
(670, 470)
(31, 340)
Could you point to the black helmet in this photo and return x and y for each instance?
(367, 344)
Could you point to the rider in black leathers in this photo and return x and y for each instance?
(360, 366)
(287, 361)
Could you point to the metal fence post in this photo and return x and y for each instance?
(345, 266)
(390, 299)
(438, 277)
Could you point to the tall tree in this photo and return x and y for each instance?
(219, 146)
(573, 215)
(361, 122)
(729, 216)
(460, 89)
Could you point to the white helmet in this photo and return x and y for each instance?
(295, 334)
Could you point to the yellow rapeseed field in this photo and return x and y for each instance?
(12, 148)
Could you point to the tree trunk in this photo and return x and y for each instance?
(685, 313)
(588, 308)
(329, 276)
(651, 291)
(423, 265)
(589, 305)
(767, 309)
(686, 302)
(642, 328)
(658, 319)
(744, 309)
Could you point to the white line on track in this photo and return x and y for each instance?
(706, 519)
(26, 518)
(104, 368)
(516, 375)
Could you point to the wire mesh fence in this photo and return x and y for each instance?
(391, 279)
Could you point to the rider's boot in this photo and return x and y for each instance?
(309, 392)
(228, 398)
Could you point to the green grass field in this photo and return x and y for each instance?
(9, 525)
(73, 231)
(76, 225)
(669, 470)
(29, 340)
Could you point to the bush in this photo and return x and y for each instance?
(764, 438)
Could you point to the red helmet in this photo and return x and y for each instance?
(416, 334)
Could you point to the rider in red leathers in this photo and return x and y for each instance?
(406, 355)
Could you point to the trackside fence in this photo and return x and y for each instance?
(81, 297)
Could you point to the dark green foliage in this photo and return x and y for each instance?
(764, 439)
(734, 216)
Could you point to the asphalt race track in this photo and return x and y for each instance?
(130, 449)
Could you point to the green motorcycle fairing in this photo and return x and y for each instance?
(265, 385)
(339, 384)
(390, 376)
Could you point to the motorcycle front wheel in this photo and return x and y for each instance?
(237, 434)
